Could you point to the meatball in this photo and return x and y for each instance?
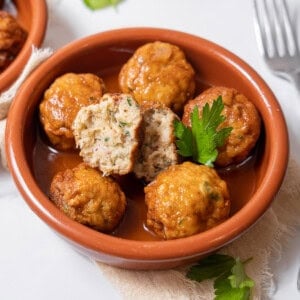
(88, 197)
(186, 199)
(12, 39)
(158, 72)
(240, 114)
(107, 133)
(61, 102)
(157, 150)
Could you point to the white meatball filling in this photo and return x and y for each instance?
(158, 150)
(107, 133)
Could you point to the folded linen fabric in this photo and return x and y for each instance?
(36, 58)
(263, 242)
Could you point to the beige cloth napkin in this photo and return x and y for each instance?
(263, 242)
(36, 58)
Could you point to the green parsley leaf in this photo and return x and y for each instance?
(231, 281)
(203, 138)
(210, 267)
(99, 4)
(239, 279)
(185, 142)
(224, 290)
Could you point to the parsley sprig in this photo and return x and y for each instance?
(99, 4)
(231, 281)
(202, 140)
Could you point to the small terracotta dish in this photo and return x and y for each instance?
(31, 15)
(32, 163)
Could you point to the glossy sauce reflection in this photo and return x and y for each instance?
(241, 180)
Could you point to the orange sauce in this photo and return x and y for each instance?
(241, 180)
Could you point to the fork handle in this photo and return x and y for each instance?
(295, 79)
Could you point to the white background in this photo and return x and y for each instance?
(37, 264)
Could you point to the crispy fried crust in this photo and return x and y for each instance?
(240, 114)
(186, 199)
(12, 39)
(61, 102)
(158, 72)
(88, 197)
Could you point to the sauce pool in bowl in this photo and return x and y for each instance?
(241, 179)
(33, 162)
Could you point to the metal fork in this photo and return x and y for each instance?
(277, 39)
(278, 44)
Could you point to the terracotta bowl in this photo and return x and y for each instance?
(104, 53)
(32, 16)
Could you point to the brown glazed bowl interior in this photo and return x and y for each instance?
(32, 16)
(215, 66)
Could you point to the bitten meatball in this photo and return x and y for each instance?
(186, 199)
(61, 102)
(158, 72)
(157, 150)
(240, 114)
(12, 39)
(107, 133)
(88, 197)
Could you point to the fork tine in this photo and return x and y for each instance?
(274, 28)
(272, 21)
(279, 34)
(277, 39)
(264, 29)
(289, 33)
(260, 29)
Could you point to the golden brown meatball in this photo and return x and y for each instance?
(61, 102)
(88, 197)
(158, 72)
(186, 199)
(12, 39)
(240, 114)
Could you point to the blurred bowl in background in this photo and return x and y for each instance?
(32, 17)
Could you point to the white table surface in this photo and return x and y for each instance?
(34, 262)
